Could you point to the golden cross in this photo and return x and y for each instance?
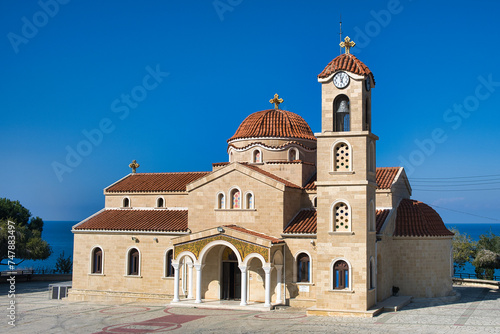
(276, 101)
(347, 44)
(134, 165)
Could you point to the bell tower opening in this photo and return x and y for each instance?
(342, 110)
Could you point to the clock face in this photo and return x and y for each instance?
(341, 80)
(367, 83)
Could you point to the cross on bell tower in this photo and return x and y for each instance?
(347, 44)
(134, 165)
(276, 100)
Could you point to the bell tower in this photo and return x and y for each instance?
(346, 184)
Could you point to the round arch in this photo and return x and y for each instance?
(254, 255)
(91, 257)
(214, 243)
(332, 264)
(333, 155)
(183, 254)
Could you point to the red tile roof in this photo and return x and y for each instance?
(304, 222)
(154, 182)
(159, 220)
(277, 178)
(346, 62)
(286, 144)
(311, 184)
(416, 219)
(273, 123)
(220, 164)
(385, 176)
(381, 217)
(257, 234)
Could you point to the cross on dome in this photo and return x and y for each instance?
(347, 44)
(276, 100)
(134, 165)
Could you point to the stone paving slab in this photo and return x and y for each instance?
(477, 311)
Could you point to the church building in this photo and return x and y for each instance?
(293, 218)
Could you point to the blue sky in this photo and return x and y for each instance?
(168, 82)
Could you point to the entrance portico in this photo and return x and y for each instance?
(231, 263)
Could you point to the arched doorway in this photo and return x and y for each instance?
(230, 276)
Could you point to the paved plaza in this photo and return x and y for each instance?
(477, 311)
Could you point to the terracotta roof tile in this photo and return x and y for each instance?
(154, 182)
(159, 220)
(284, 145)
(385, 176)
(304, 222)
(416, 219)
(273, 123)
(346, 62)
(311, 184)
(277, 178)
(257, 234)
(220, 164)
(381, 217)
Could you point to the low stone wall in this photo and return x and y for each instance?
(117, 296)
(460, 281)
(40, 277)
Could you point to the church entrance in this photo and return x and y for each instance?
(231, 276)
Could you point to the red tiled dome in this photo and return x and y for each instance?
(346, 62)
(273, 123)
(417, 219)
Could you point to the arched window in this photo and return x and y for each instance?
(342, 110)
(160, 202)
(342, 161)
(126, 202)
(303, 268)
(97, 261)
(315, 202)
(257, 156)
(133, 262)
(169, 269)
(249, 201)
(293, 154)
(367, 115)
(371, 157)
(341, 217)
(221, 201)
(235, 199)
(340, 275)
(372, 273)
(371, 216)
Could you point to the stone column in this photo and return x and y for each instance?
(243, 269)
(267, 270)
(190, 280)
(176, 282)
(278, 283)
(198, 268)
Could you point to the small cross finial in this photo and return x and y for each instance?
(347, 44)
(134, 165)
(276, 100)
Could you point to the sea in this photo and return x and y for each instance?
(58, 235)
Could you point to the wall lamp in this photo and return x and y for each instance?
(135, 239)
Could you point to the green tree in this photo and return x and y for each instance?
(20, 235)
(487, 257)
(463, 248)
(485, 263)
(63, 265)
